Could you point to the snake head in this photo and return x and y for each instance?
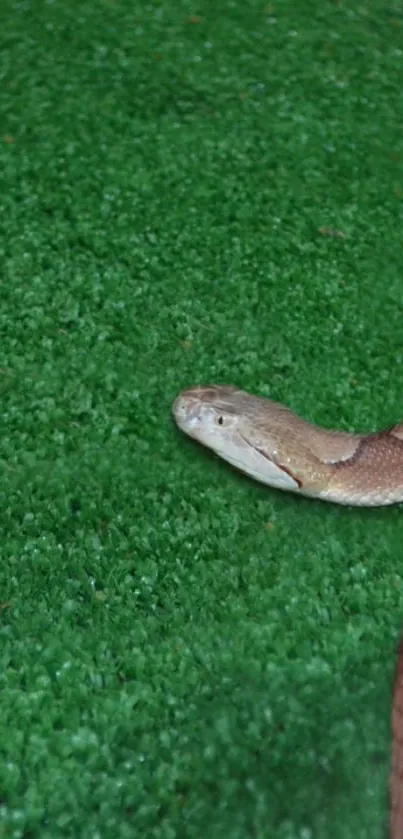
(207, 414)
(223, 419)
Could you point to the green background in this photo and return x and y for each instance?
(184, 652)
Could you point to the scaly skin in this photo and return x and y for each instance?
(270, 443)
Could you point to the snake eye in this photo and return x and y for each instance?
(220, 420)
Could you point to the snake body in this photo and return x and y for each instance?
(272, 444)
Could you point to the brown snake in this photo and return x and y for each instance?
(270, 443)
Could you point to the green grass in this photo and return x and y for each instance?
(183, 652)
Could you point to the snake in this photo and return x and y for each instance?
(270, 443)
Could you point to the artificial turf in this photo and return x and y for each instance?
(183, 652)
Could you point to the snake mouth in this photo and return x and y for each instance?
(187, 411)
(189, 405)
(202, 414)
